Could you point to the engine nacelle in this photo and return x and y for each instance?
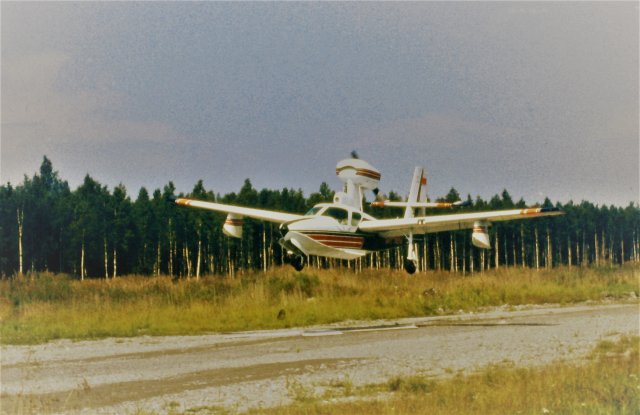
(480, 236)
(358, 172)
(233, 226)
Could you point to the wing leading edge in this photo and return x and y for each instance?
(260, 214)
(440, 223)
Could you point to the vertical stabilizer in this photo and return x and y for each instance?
(415, 191)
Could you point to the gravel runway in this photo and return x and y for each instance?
(239, 371)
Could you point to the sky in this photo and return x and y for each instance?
(537, 98)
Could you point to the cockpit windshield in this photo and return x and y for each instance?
(313, 211)
(341, 215)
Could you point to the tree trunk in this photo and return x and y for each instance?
(211, 263)
(537, 248)
(452, 253)
(199, 259)
(20, 215)
(115, 262)
(522, 247)
(464, 257)
(82, 271)
(171, 247)
(230, 262)
(549, 262)
(264, 249)
(497, 258)
(106, 260)
(187, 259)
(425, 254)
(158, 262)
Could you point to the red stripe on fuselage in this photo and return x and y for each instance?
(337, 241)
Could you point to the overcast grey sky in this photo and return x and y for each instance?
(537, 98)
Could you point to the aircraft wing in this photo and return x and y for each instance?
(440, 223)
(260, 214)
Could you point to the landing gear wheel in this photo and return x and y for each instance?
(410, 266)
(298, 263)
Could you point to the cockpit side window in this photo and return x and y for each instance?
(355, 219)
(313, 211)
(341, 215)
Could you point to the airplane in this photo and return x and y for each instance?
(342, 229)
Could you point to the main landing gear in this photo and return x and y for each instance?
(410, 266)
(411, 262)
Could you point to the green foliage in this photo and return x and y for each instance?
(93, 231)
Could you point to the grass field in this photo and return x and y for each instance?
(607, 382)
(44, 307)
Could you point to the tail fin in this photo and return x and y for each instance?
(416, 193)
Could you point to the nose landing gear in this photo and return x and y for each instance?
(297, 261)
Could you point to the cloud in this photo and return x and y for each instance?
(527, 96)
(31, 97)
(39, 117)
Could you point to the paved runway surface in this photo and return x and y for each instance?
(244, 370)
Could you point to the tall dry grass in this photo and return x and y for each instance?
(608, 382)
(43, 307)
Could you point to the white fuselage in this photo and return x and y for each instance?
(331, 230)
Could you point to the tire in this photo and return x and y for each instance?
(410, 266)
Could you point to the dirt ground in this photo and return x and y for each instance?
(239, 371)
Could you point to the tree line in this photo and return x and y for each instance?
(94, 232)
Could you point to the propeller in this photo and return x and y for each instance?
(461, 203)
(379, 196)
